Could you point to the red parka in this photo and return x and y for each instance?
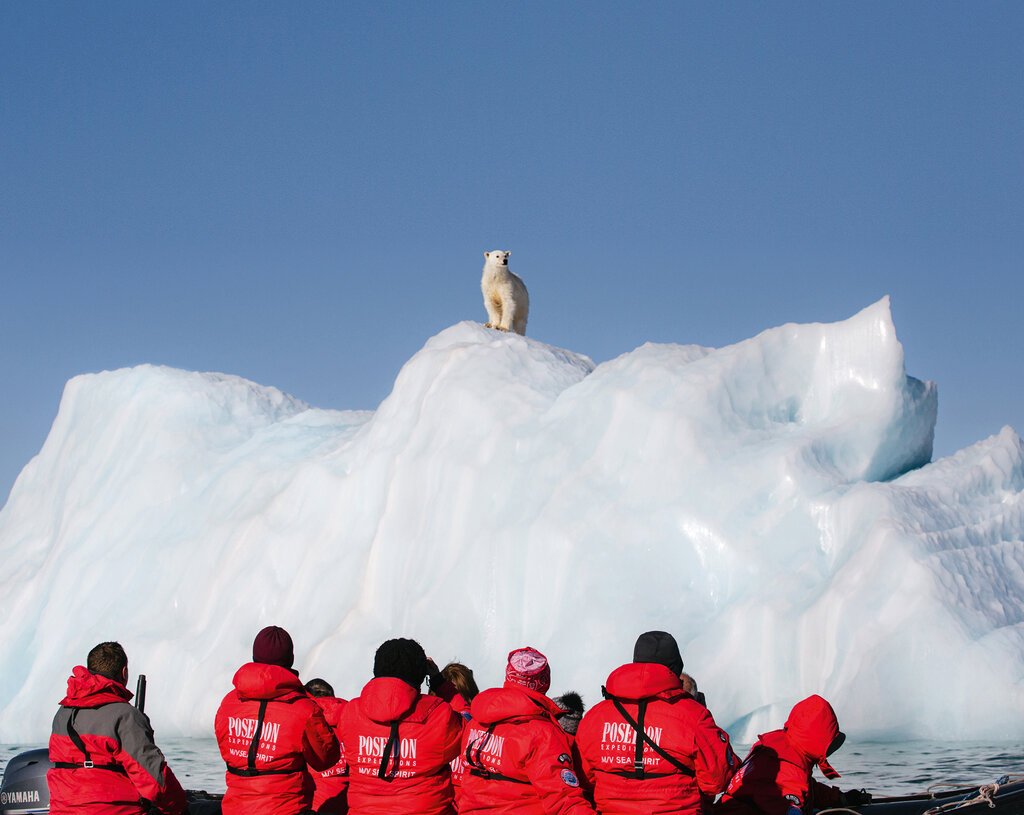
(519, 760)
(271, 777)
(776, 775)
(127, 766)
(673, 720)
(398, 744)
(331, 796)
(458, 764)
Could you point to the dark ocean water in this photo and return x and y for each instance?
(892, 768)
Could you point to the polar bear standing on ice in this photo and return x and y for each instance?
(505, 296)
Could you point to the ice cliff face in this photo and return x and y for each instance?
(771, 503)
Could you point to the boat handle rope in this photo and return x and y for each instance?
(986, 794)
(942, 785)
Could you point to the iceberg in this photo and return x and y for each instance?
(772, 503)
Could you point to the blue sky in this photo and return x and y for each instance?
(301, 193)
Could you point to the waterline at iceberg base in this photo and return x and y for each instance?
(771, 503)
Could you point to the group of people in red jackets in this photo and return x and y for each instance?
(651, 745)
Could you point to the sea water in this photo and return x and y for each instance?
(882, 768)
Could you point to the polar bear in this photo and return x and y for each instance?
(505, 296)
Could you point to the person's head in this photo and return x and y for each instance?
(109, 659)
(319, 687)
(402, 659)
(462, 678)
(273, 646)
(658, 647)
(528, 668)
(812, 725)
(572, 703)
(690, 686)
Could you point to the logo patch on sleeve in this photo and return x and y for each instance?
(569, 778)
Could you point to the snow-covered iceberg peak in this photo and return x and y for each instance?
(750, 499)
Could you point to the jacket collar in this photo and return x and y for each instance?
(642, 680)
(511, 702)
(258, 680)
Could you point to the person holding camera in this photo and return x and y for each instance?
(650, 746)
(775, 778)
(399, 743)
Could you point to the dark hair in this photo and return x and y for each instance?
(462, 678)
(319, 687)
(108, 659)
(402, 659)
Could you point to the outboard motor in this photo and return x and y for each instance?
(23, 790)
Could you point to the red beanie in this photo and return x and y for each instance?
(273, 646)
(528, 668)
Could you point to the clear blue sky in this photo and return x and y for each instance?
(301, 193)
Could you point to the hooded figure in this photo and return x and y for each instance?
(776, 777)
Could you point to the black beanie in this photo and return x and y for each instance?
(659, 647)
(403, 659)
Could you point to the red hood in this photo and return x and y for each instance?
(86, 689)
(641, 680)
(332, 707)
(257, 680)
(511, 702)
(387, 699)
(811, 728)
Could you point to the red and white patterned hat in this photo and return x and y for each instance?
(528, 668)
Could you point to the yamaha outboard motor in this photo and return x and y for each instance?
(23, 790)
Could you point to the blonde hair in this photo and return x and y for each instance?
(462, 678)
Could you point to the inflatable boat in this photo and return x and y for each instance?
(23, 791)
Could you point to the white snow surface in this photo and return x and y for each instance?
(771, 503)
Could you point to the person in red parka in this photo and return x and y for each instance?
(104, 758)
(650, 747)
(775, 777)
(271, 732)
(331, 796)
(519, 760)
(458, 683)
(463, 687)
(398, 741)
